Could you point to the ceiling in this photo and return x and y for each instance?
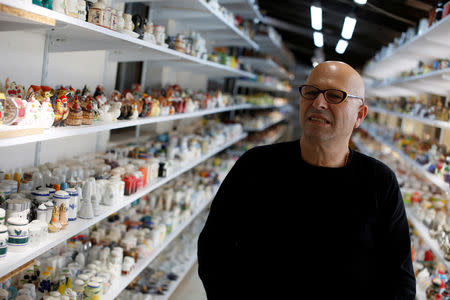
(378, 23)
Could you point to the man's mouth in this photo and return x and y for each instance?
(315, 119)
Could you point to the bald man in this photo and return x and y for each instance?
(310, 219)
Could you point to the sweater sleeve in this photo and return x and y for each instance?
(396, 249)
(218, 241)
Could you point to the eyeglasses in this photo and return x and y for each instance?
(333, 96)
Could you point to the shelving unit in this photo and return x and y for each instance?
(15, 260)
(271, 43)
(176, 283)
(72, 34)
(267, 66)
(436, 82)
(433, 43)
(198, 15)
(420, 169)
(120, 284)
(434, 123)
(61, 132)
(265, 127)
(247, 9)
(262, 86)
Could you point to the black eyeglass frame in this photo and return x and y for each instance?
(347, 95)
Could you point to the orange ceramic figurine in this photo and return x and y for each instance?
(76, 114)
(54, 225)
(62, 216)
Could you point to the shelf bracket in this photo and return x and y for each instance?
(44, 73)
(37, 154)
(137, 133)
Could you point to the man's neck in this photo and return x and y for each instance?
(324, 155)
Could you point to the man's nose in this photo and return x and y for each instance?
(320, 102)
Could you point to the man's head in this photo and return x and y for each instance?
(322, 121)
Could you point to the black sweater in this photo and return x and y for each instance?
(280, 228)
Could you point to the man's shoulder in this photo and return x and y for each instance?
(372, 165)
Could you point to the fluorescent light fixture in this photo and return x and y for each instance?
(318, 39)
(360, 2)
(349, 26)
(316, 17)
(341, 46)
(315, 63)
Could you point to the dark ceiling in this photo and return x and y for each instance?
(378, 23)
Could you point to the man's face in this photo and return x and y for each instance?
(323, 121)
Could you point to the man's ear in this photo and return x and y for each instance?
(362, 113)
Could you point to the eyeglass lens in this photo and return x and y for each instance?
(331, 95)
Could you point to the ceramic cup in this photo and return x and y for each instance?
(18, 233)
(2, 216)
(35, 235)
(73, 203)
(3, 241)
(41, 196)
(49, 205)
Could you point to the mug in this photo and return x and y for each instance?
(3, 241)
(18, 233)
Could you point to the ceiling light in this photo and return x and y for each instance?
(316, 17)
(315, 63)
(341, 46)
(349, 26)
(318, 39)
(361, 2)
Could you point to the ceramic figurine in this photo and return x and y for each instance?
(13, 89)
(47, 115)
(81, 9)
(3, 240)
(61, 110)
(59, 6)
(54, 225)
(180, 44)
(148, 35)
(160, 35)
(41, 213)
(138, 26)
(120, 21)
(134, 114)
(96, 13)
(32, 113)
(88, 111)
(107, 15)
(63, 216)
(72, 8)
(75, 117)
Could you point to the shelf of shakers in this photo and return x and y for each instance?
(266, 65)
(136, 26)
(432, 277)
(432, 79)
(247, 9)
(265, 83)
(427, 40)
(97, 184)
(86, 112)
(104, 260)
(427, 208)
(260, 121)
(428, 159)
(72, 34)
(160, 279)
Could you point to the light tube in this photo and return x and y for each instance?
(360, 2)
(349, 26)
(318, 39)
(316, 17)
(341, 46)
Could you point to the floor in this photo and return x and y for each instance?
(190, 288)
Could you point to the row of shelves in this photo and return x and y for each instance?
(274, 122)
(262, 86)
(435, 82)
(61, 132)
(141, 264)
(71, 34)
(419, 227)
(79, 225)
(431, 44)
(267, 66)
(430, 122)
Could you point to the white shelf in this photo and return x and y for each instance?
(434, 123)
(198, 15)
(14, 260)
(247, 9)
(121, 283)
(174, 284)
(432, 44)
(262, 86)
(266, 66)
(435, 82)
(72, 34)
(271, 44)
(61, 132)
(265, 126)
(423, 232)
(420, 169)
